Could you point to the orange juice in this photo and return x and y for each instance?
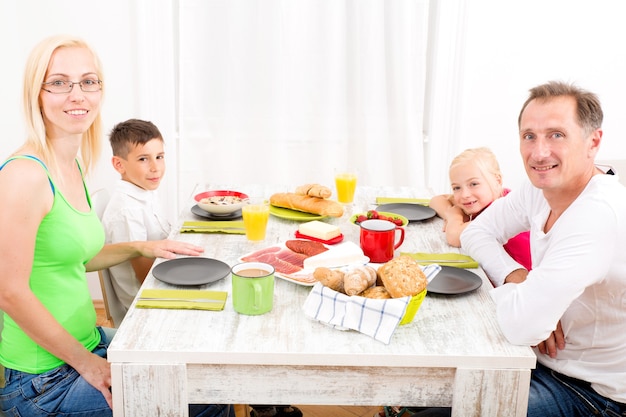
(346, 185)
(255, 218)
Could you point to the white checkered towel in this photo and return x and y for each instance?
(377, 318)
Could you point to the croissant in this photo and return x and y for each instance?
(359, 279)
(314, 190)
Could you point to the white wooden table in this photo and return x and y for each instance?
(452, 354)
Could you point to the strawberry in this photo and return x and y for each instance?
(361, 218)
(397, 221)
(372, 214)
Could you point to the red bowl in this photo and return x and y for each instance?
(221, 202)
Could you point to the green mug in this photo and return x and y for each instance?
(253, 288)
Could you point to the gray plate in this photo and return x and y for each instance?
(203, 213)
(452, 280)
(413, 212)
(191, 271)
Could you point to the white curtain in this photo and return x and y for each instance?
(285, 91)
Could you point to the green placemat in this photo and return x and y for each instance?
(224, 226)
(182, 299)
(456, 260)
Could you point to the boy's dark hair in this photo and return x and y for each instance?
(130, 133)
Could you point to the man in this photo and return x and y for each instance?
(572, 306)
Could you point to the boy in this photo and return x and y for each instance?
(134, 212)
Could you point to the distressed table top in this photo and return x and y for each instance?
(448, 331)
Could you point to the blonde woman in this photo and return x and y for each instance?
(476, 181)
(52, 355)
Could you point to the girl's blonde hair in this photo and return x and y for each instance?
(486, 162)
(34, 75)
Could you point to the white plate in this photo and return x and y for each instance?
(278, 274)
(191, 271)
(292, 277)
(203, 213)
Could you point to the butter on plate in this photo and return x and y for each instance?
(319, 230)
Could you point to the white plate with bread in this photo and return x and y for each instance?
(288, 214)
(308, 200)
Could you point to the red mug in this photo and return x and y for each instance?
(378, 239)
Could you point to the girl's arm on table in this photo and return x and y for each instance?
(455, 220)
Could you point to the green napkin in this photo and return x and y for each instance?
(223, 226)
(182, 299)
(456, 260)
(385, 200)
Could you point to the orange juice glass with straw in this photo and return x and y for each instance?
(345, 182)
(255, 217)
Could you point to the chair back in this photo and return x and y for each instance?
(617, 165)
(114, 309)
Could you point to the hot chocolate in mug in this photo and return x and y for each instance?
(253, 288)
(379, 238)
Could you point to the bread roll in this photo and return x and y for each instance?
(359, 279)
(402, 276)
(331, 278)
(314, 190)
(377, 291)
(307, 204)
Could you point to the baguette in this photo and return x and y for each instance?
(314, 190)
(307, 204)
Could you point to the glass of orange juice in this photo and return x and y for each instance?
(255, 216)
(345, 182)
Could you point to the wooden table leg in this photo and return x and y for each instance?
(486, 393)
(150, 390)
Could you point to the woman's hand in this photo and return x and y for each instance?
(97, 372)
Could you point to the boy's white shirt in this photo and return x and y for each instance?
(132, 214)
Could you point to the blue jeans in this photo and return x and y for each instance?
(63, 392)
(555, 395)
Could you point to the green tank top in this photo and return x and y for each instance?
(66, 240)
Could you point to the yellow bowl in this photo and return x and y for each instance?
(412, 307)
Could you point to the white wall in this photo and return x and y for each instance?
(513, 46)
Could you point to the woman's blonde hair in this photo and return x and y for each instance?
(486, 162)
(34, 75)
